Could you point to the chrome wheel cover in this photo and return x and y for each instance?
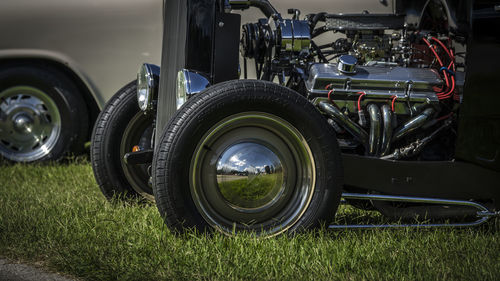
(30, 124)
(252, 171)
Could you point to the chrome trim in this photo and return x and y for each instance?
(347, 64)
(483, 213)
(413, 124)
(375, 78)
(195, 82)
(287, 202)
(344, 121)
(148, 78)
(250, 176)
(30, 124)
(375, 120)
(189, 83)
(286, 31)
(301, 35)
(378, 83)
(385, 146)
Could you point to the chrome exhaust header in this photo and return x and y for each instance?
(345, 122)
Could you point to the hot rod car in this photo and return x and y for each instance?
(395, 112)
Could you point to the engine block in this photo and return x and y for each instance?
(410, 86)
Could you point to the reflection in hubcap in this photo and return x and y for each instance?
(249, 175)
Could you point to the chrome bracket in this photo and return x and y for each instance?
(483, 213)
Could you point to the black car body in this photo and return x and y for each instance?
(410, 98)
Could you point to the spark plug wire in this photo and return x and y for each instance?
(361, 95)
(330, 93)
(361, 113)
(444, 94)
(450, 70)
(394, 98)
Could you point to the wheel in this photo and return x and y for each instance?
(119, 127)
(42, 114)
(247, 156)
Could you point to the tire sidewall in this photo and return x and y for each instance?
(106, 141)
(171, 185)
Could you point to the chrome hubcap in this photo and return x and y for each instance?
(23, 123)
(30, 123)
(250, 176)
(252, 171)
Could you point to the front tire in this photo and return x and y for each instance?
(120, 126)
(247, 156)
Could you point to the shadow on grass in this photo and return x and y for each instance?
(82, 159)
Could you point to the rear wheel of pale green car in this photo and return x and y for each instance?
(43, 116)
(247, 156)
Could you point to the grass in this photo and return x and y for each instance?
(55, 215)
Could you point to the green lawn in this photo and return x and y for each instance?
(56, 216)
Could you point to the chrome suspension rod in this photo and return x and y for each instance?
(483, 213)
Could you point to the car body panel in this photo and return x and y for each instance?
(103, 42)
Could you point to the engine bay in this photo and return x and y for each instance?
(390, 89)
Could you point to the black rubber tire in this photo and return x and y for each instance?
(68, 99)
(171, 163)
(105, 146)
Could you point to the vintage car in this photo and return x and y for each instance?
(60, 62)
(396, 112)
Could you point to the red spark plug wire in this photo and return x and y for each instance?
(394, 98)
(450, 53)
(451, 65)
(361, 95)
(329, 95)
(441, 95)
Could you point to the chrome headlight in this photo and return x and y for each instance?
(147, 85)
(188, 84)
(182, 81)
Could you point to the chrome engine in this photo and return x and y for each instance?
(410, 86)
(386, 89)
(375, 87)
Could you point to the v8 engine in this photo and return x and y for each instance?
(389, 89)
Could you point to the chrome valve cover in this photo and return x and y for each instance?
(380, 83)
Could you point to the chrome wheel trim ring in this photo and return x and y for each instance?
(30, 124)
(285, 206)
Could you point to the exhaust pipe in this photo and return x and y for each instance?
(344, 121)
(387, 129)
(413, 124)
(375, 120)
